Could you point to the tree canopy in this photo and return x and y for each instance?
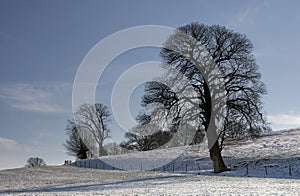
(192, 50)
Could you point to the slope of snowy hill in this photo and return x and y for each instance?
(276, 154)
(65, 180)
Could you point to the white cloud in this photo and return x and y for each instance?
(285, 119)
(39, 98)
(7, 144)
(14, 154)
(247, 15)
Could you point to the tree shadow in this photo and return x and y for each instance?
(88, 187)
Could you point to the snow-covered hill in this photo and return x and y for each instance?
(273, 155)
(276, 154)
(65, 180)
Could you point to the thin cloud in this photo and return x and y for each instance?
(7, 144)
(14, 154)
(248, 15)
(24, 96)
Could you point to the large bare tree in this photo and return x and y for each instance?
(192, 50)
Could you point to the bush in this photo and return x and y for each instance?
(35, 162)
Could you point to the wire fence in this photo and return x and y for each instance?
(251, 168)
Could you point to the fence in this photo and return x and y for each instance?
(258, 168)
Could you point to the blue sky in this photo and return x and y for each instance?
(42, 44)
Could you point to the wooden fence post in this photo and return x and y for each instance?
(266, 170)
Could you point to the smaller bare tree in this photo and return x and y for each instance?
(35, 162)
(75, 143)
(94, 119)
(144, 137)
(114, 148)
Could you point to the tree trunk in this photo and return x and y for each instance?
(216, 157)
(102, 151)
(214, 151)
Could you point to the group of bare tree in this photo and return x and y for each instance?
(87, 133)
(182, 104)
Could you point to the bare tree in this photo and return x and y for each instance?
(35, 162)
(114, 148)
(75, 143)
(94, 119)
(193, 51)
(176, 112)
(146, 137)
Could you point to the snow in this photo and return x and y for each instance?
(276, 154)
(65, 180)
(269, 165)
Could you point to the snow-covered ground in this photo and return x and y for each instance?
(272, 162)
(273, 155)
(65, 180)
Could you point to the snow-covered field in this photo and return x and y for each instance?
(64, 180)
(272, 162)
